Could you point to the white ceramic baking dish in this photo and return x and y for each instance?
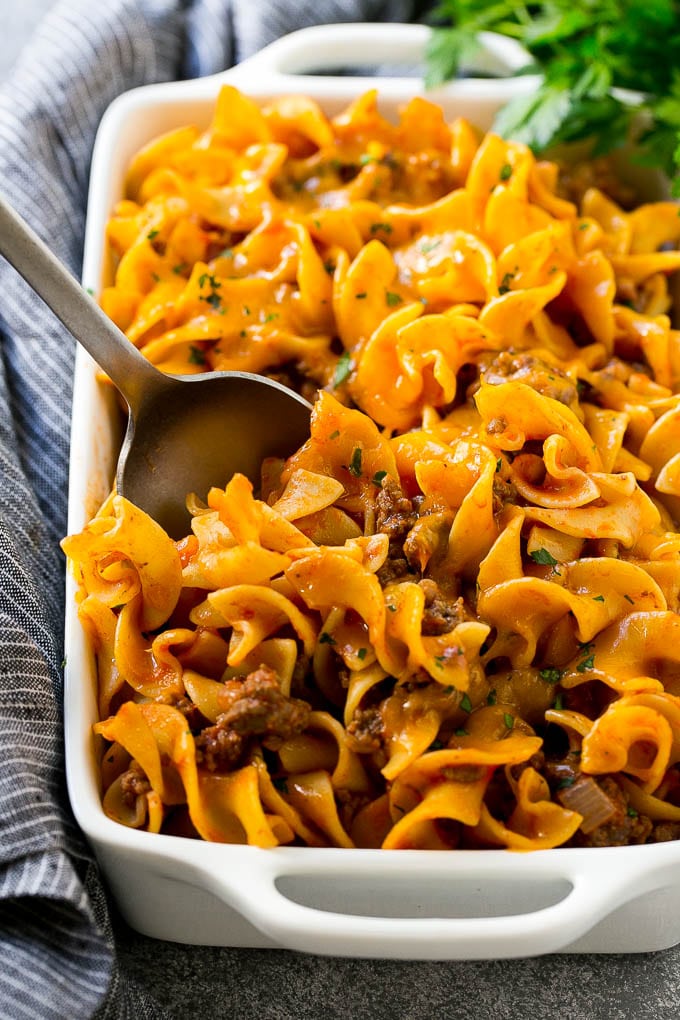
(367, 903)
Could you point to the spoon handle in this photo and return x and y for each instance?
(130, 371)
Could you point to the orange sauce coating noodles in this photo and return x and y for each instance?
(450, 620)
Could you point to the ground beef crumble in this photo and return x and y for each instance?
(257, 708)
(624, 828)
(665, 831)
(366, 730)
(442, 613)
(133, 784)
(526, 368)
(395, 516)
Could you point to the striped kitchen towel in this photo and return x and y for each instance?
(57, 951)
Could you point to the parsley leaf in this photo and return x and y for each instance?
(196, 355)
(566, 782)
(551, 675)
(343, 369)
(449, 49)
(543, 557)
(584, 53)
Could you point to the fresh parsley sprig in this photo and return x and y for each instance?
(585, 51)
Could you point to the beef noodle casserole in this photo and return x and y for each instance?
(450, 619)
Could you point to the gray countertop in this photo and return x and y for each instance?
(276, 985)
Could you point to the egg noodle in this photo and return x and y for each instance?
(450, 619)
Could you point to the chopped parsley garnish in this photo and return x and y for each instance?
(558, 704)
(461, 732)
(361, 654)
(392, 299)
(543, 557)
(355, 462)
(504, 285)
(378, 477)
(334, 435)
(631, 812)
(180, 268)
(598, 598)
(270, 316)
(629, 599)
(508, 720)
(213, 299)
(425, 247)
(586, 664)
(564, 783)
(343, 369)
(385, 227)
(392, 608)
(361, 295)
(326, 639)
(196, 355)
(491, 697)
(506, 172)
(465, 703)
(152, 233)
(551, 675)
(436, 745)
(210, 279)
(499, 464)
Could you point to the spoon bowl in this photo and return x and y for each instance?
(185, 433)
(199, 431)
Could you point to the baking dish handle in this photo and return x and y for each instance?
(589, 893)
(327, 47)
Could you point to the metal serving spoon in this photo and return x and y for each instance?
(184, 433)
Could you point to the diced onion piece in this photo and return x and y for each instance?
(589, 800)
